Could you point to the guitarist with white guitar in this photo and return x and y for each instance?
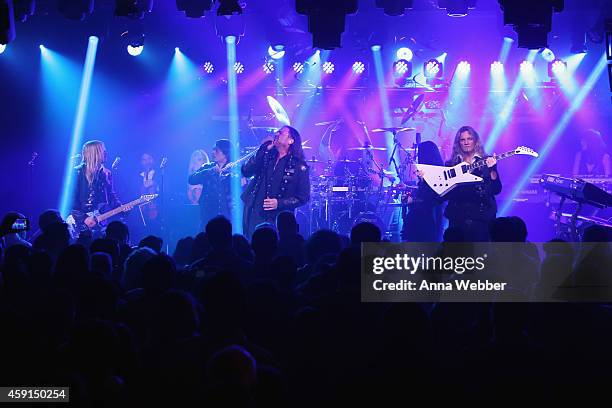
(472, 206)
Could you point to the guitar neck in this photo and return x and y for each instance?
(118, 210)
(483, 163)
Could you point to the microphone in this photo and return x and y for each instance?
(163, 163)
(115, 163)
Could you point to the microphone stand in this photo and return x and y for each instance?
(162, 198)
(31, 165)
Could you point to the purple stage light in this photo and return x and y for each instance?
(209, 67)
(268, 67)
(526, 67)
(404, 53)
(328, 67)
(497, 67)
(298, 67)
(358, 67)
(401, 67)
(463, 68)
(432, 68)
(238, 68)
(557, 68)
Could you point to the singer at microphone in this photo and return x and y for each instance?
(279, 179)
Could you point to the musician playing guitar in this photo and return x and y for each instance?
(93, 185)
(472, 206)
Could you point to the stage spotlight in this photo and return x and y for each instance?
(358, 67)
(209, 67)
(194, 8)
(433, 69)
(268, 67)
(238, 67)
(376, 48)
(135, 51)
(557, 68)
(394, 7)
(2, 48)
(532, 20)
(135, 9)
(457, 8)
(326, 20)
(328, 67)
(276, 52)
(547, 54)
(404, 53)
(526, 67)
(298, 67)
(497, 67)
(228, 8)
(463, 68)
(76, 9)
(402, 67)
(41, 47)
(177, 49)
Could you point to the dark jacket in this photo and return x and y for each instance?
(292, 192)
(216, 194)
(473, 201)
(100, 195)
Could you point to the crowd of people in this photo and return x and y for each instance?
(275, 321)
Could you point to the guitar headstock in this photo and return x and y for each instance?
(526, 151)
(148, 197)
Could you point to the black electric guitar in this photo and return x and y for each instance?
(81, 222)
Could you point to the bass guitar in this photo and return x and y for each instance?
(443, 179)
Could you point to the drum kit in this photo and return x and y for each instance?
(350, 190)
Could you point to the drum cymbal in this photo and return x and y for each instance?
(394, 129)
(279, 112)
(368, 148)
(329, 122)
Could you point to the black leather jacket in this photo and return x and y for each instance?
(100, 195)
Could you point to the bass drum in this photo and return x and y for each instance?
(343, 224)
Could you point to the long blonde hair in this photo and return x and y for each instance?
(93, 156)
(193, 164)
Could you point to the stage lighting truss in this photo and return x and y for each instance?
(135, 9)
(328, 67)
(532, 20)
(268, 67)
(457, 8)
(75, 9)
(394, 7)
(238, 67)
(433, 69)
(194, 8)
(358, 67)
(298, 67)
(557, 68)
(326, 20)
(208, 67)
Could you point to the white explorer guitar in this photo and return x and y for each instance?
(443, 179)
